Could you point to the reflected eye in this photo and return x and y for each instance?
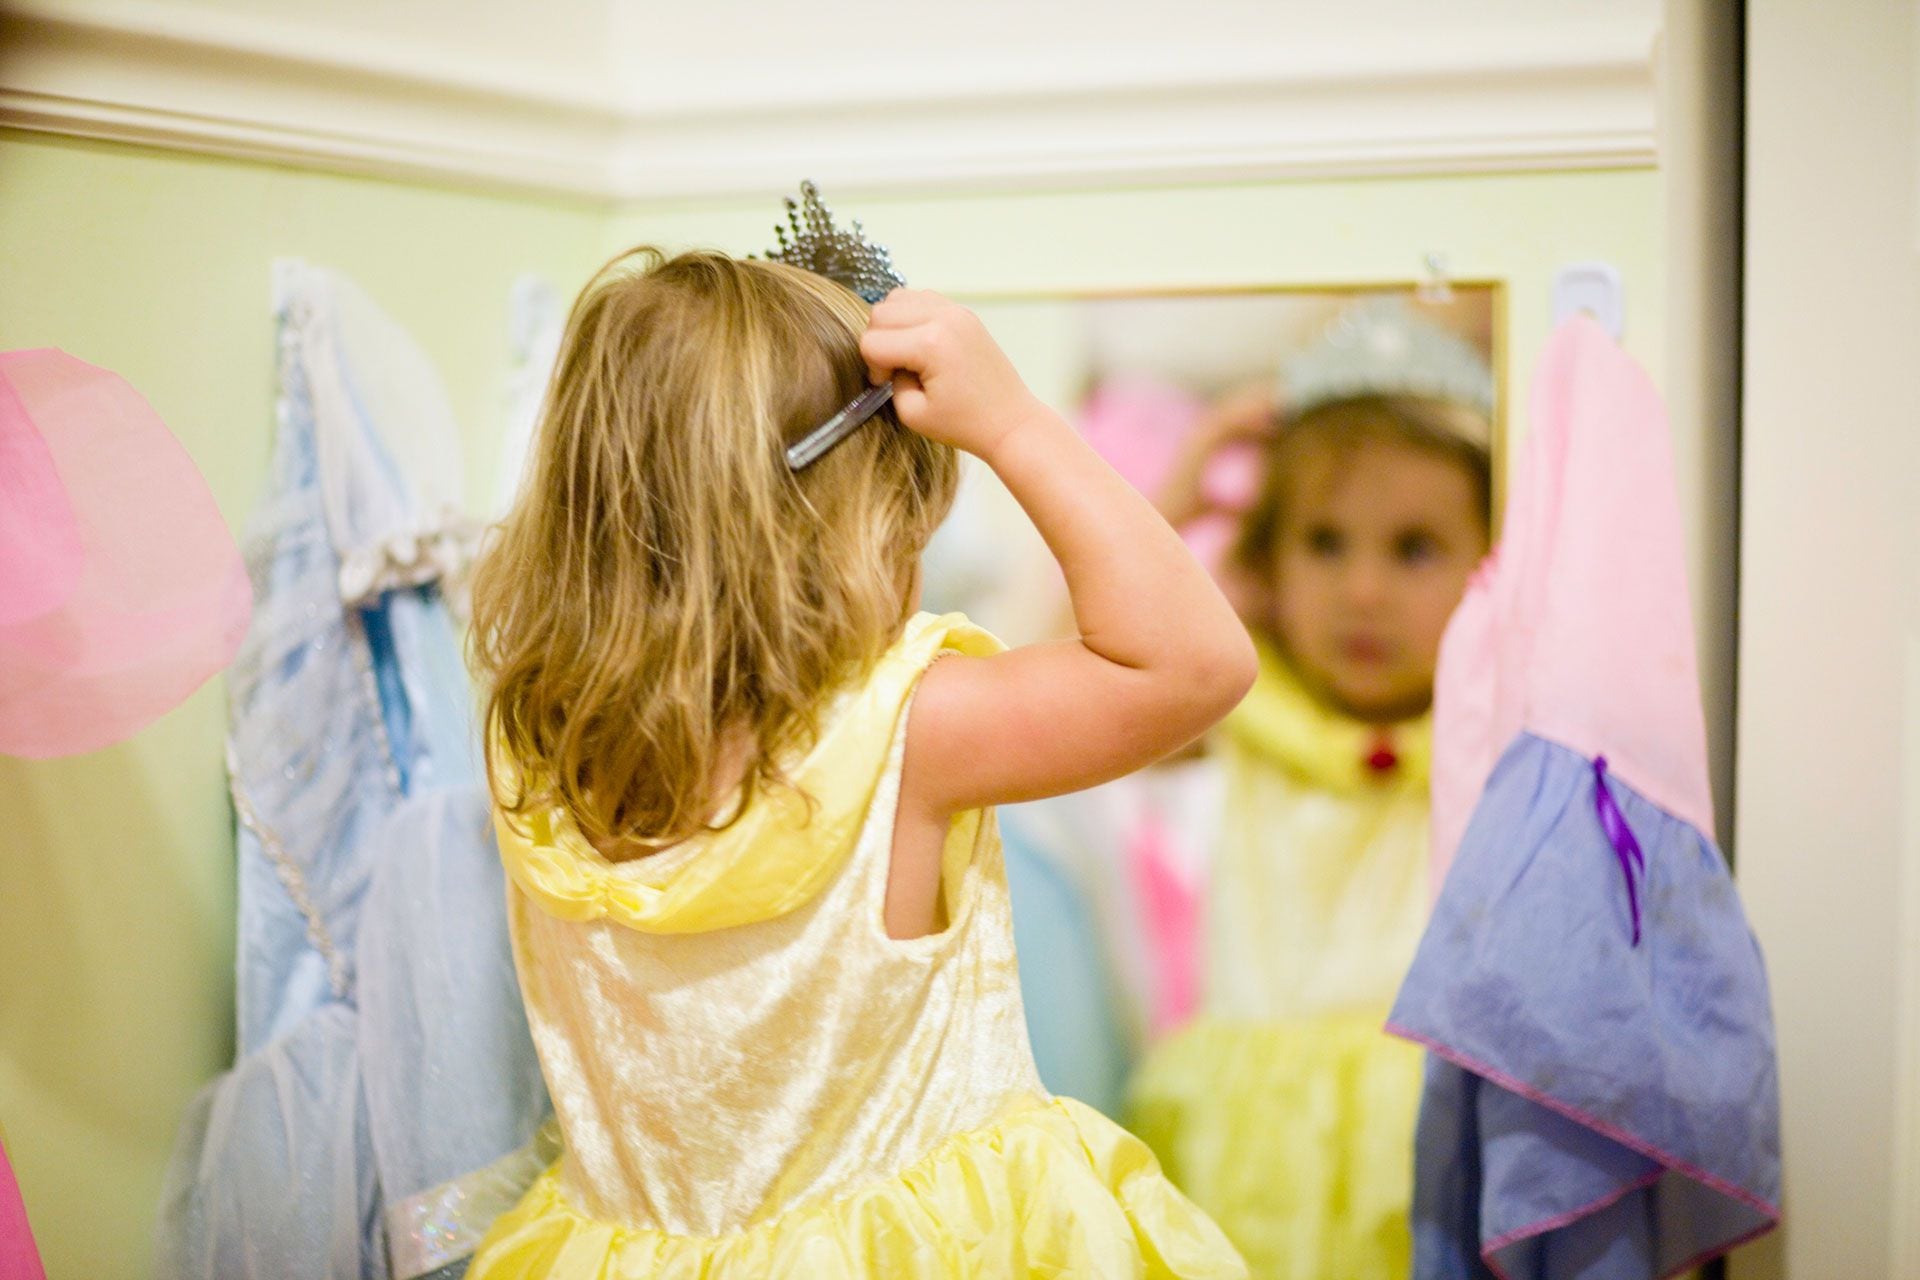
(1325, 541)
(1416, 548)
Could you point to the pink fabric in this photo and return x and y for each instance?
(1232, 477)
(1171, 906)
(1578, 627)
(19, 1257)
(40, 554)
(161, 598)
(1138, 425)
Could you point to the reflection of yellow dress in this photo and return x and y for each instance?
(1284, 1110)
(753, 1080)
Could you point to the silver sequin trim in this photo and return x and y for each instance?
(444, 1224)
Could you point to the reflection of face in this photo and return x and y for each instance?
(1374, 546)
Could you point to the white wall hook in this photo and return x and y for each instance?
(1593, 287)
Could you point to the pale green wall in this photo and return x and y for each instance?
(116, 868)
(1516, 228)
(116, 885)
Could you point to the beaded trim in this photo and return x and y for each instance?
(291, 878)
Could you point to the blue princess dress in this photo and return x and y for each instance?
(386, 1099)
(1600, 1100)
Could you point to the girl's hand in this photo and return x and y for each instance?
(1251, 413)
(951, 381)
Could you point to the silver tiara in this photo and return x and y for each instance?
(1380, 346)
(811, 242)
(845, 257)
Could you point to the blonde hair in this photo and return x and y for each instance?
(1444, 428)
(663, 581)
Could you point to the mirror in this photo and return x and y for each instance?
(1209, 947)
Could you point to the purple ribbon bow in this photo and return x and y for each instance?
(1633, 863)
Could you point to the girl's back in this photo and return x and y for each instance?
(710, 1079)
(791, 1042)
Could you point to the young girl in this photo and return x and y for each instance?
(1284, 1110)
(757, 901)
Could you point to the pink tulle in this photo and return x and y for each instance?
(40, 555)
(1578, 629)
(19, 1257)
(160, 598)
(1170, 904)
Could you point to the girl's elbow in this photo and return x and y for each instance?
(1220, 677)
(1235, 668)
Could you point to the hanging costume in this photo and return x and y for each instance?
(1601, 1101)
(385, 1098)
(753, 1080)
(1074, 1014)
(1282, 1110)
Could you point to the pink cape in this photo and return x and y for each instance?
(1578, 627)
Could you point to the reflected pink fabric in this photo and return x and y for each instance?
(1137, 424)
(1578, 627)
(1170, 906)
(159, 598)
(19, 1257)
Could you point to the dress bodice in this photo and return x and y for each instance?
(1318, 894)
(706, 1078)
(707, 1081)
(753, 1080)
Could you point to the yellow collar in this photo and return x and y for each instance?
(777, 856)
(1281, 721)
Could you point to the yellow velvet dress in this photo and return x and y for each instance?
(752, 1080)
(1283, 1109)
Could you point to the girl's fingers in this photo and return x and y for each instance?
(1240, 419)
(885, 350)
(1252, 407)
(909, 398)
(904, 308)
(1250, 428)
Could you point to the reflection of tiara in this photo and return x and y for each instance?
(1379, 346)
(847, 258)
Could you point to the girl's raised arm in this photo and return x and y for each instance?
(1161, 655)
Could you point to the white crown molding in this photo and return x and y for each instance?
(176, 78)
(169, 76)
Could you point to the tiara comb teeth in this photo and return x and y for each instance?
(811, 241)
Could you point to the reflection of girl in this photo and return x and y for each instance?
(1283, 1109)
